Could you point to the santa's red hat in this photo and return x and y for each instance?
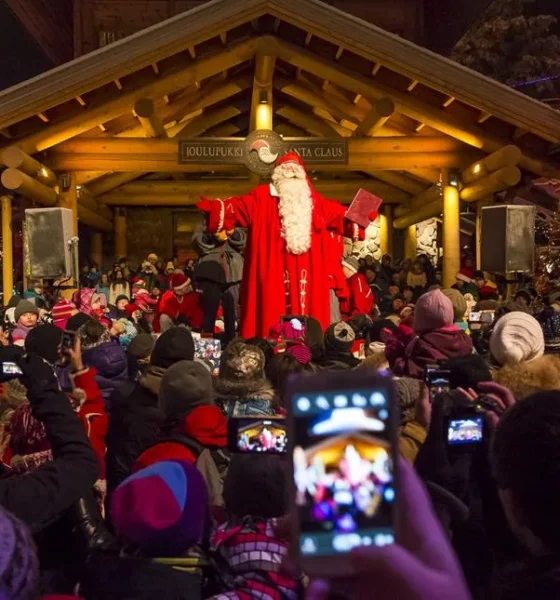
(179, 282)
(290, 157)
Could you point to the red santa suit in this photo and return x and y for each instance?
(335, 249)
(281, 276)
(174, 305)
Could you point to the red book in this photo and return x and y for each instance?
(364, 204)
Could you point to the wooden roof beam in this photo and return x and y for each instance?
(145, 111)
(109, 182)
(147, 192)
(405, 103)
(313, 124)
(399, 181)
(93, 219)
(18, 181)
(262, 85)
(15, 158)
(208, 119)
(93, 116)
(508, 155)
(497, 181)
(381, 111)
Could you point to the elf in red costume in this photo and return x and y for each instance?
(285, 258)
(360, 299)
(178, 305)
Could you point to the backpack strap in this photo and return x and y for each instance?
(184, 440)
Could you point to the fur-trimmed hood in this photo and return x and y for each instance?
(228, 389)
(530, 377)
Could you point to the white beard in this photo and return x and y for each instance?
(295, 206)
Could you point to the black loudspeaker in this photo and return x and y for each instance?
(508, 238)
(48, 231)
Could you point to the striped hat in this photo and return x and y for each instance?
(163, 508)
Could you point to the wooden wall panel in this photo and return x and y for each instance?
(98, 22)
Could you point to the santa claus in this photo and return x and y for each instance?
(285, 259)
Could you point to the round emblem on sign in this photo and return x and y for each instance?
(263, 147)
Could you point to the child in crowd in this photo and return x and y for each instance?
(246, 545)
(26, 316)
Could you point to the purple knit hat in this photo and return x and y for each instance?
(163, 508)
(433, 310)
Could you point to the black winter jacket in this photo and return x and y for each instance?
(134, 425)
(42, 496)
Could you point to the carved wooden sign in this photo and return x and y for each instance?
(260, 150)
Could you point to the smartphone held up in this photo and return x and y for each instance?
(343, 448)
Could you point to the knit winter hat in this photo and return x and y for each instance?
(19, 566)
(169, 267)
(24, 306)
(301, 353)
(517, 337)
(185, 386)
(45, 340)
(340, 336)
(179, 282)
(458, 301)
(152, 256)
(408, 391)
(141, 346)
(242, 362)
(162, 509)
(351, 263)
(432, 311)
(121, 297)
(172, 346)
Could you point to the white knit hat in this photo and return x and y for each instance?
(517, 338)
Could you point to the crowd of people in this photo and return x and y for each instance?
(116, 477)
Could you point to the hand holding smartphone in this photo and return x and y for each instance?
(343, 449)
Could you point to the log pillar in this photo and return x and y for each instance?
(120, 233)
(68, 196)
(97, 249)
(451, 233)
(386, 230)
(7, 249)
(410, 242)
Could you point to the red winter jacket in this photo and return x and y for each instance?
(361, 301)
(207, 425)
(189, 307)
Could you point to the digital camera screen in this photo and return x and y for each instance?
(10, 368)
(438, 386)
(258, 435)
(465, 431)
(343, 471)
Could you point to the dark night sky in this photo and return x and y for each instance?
(20, 56)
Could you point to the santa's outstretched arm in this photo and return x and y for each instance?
(229, 213)
(335, 216)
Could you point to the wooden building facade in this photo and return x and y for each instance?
(422, 132)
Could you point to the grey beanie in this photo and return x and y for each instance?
(141, 346)
(408, 391)
(24, 306)
(185, 385)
